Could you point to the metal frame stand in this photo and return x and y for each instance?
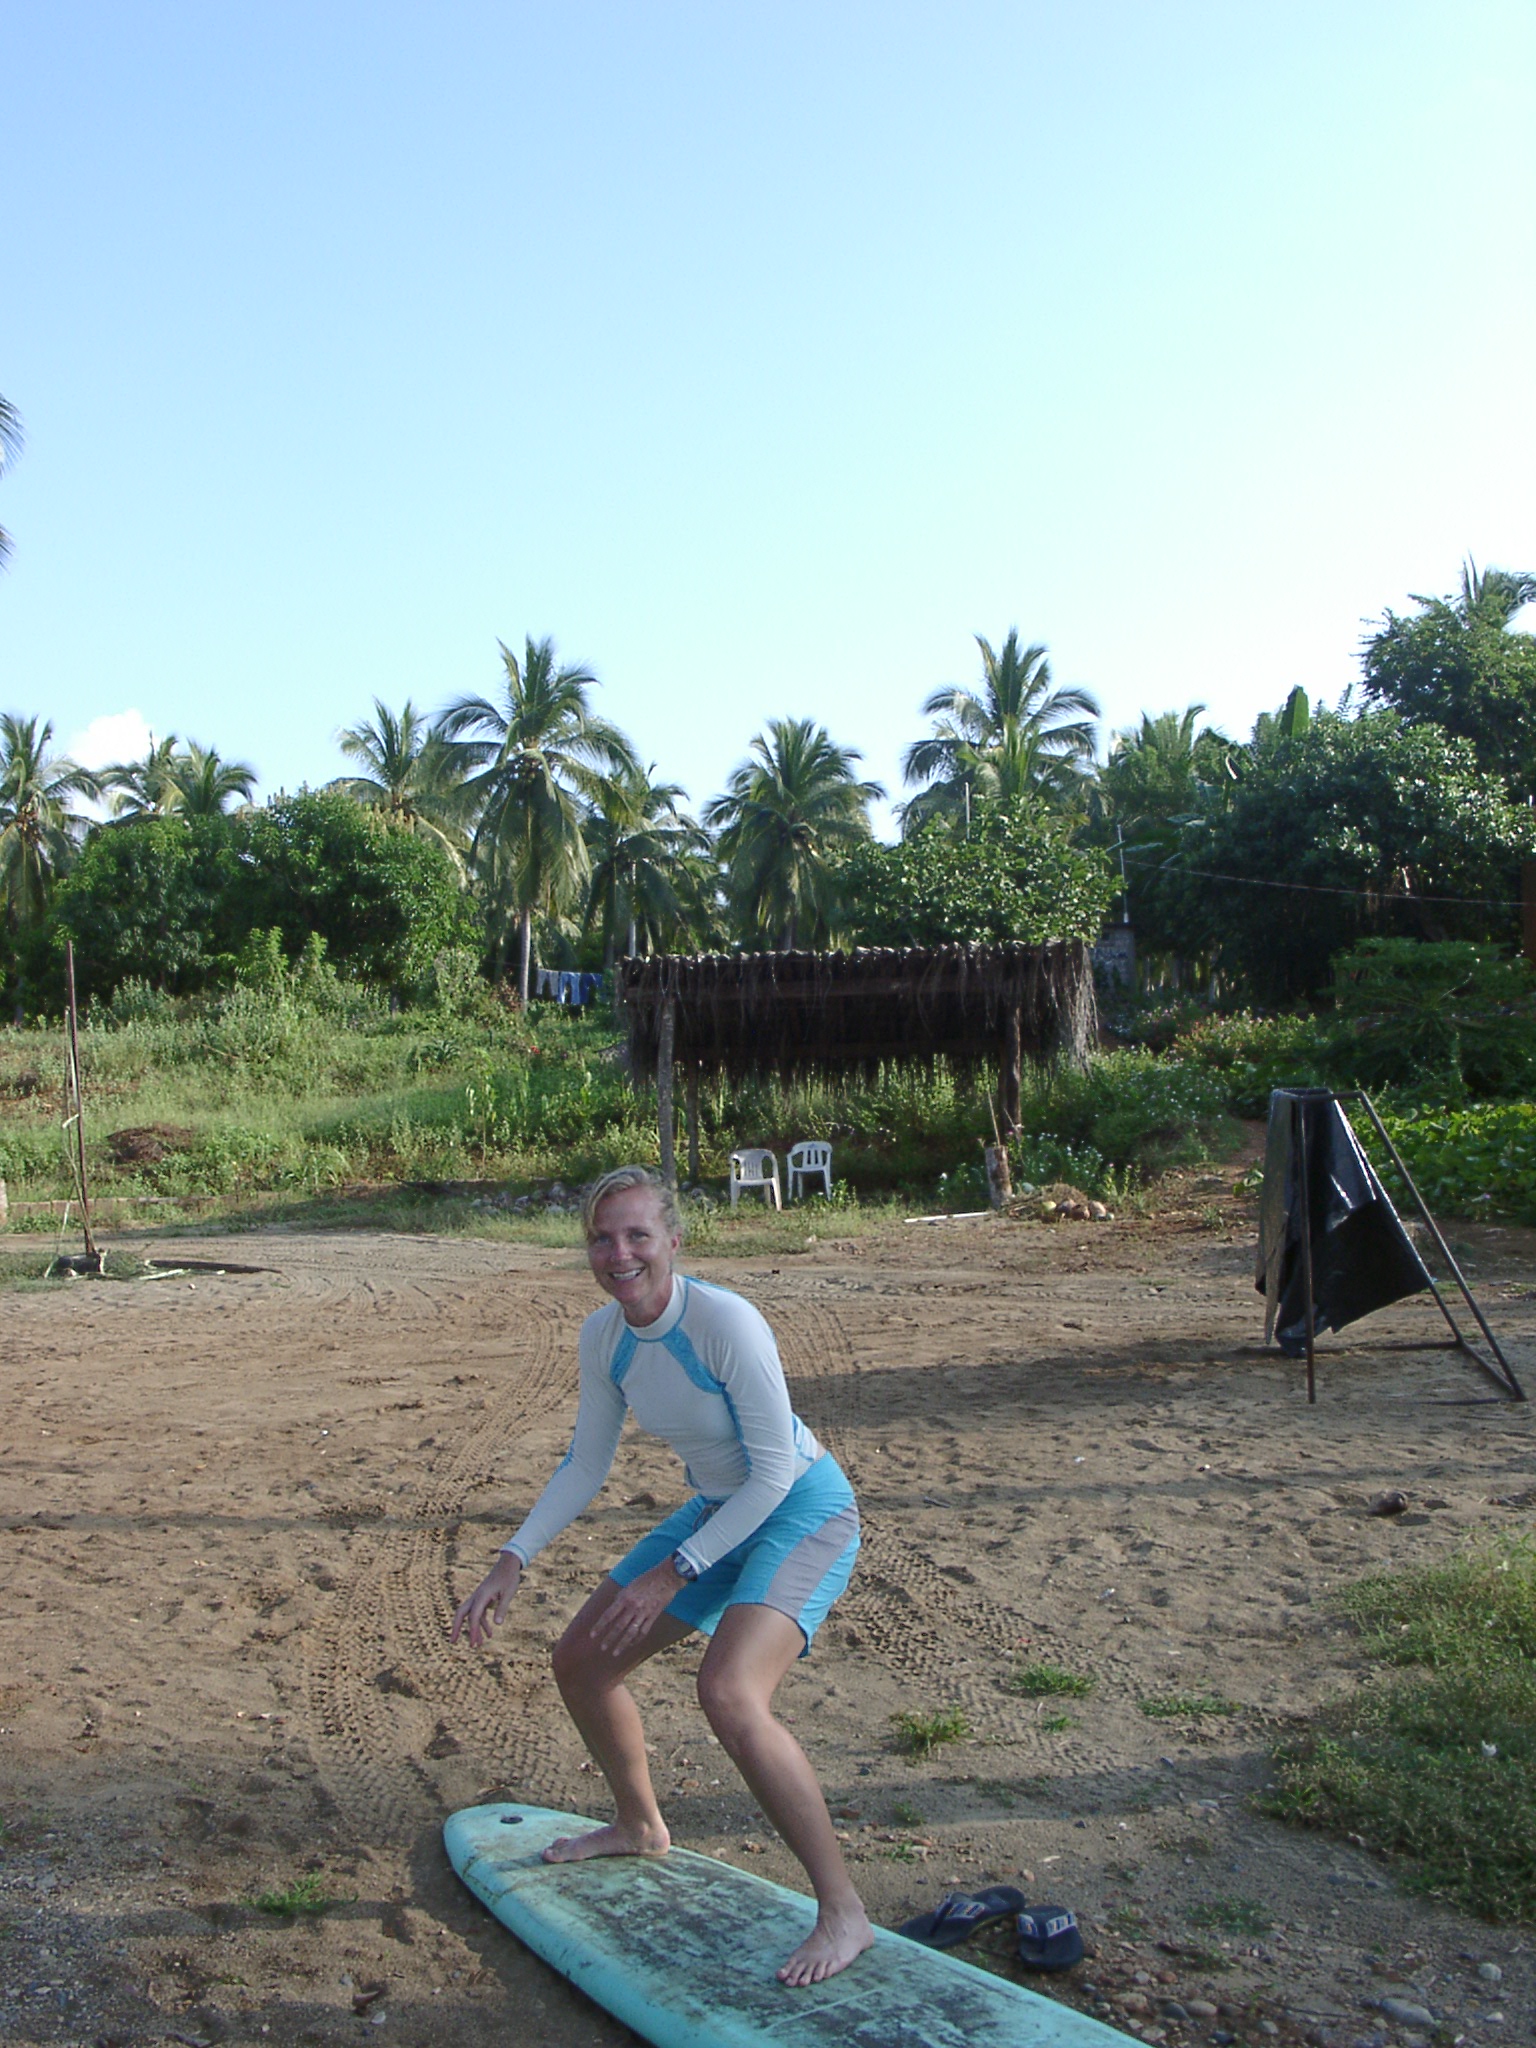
(1501, 1373)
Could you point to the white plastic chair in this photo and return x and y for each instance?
(755, 1168)
(810, 1156)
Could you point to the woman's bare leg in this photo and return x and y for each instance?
(591, 1682)
(750, 1652)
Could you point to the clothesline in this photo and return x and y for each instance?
(564, 985)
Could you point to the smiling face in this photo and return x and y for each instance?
(630, 1251)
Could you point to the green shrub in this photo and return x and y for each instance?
(1151, 1021)
(453, 984)
(1471, 1162)
(1252, 1055)
(136, 1001)
(30, 1158)
(1129, 1109)
(1038, 1162)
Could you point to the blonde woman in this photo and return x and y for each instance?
(754, 1560)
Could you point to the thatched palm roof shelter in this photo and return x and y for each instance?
(798, 1013)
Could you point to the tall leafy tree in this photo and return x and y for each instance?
(1354, 828)
(147, 897)
(1460, 663)
(410, 773)
(39, 831)
(384, 902)
(533, 761)
(1016, 738)
(1016, 876)
(650, 877)
(10, 447)
(787, 816)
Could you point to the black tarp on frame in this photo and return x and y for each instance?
(1362, 1258)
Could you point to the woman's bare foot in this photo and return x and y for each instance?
(613, 1841)
(831, 1946)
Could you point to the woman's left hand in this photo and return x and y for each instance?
(635, 1612)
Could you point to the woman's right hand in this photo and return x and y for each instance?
(489, 1602)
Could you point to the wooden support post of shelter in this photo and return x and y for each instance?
(1012, 1077)
(691, 1119)
(665, 1114)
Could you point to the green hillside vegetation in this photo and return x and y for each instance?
(337, 989)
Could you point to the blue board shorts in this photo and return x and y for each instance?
(797, 1561)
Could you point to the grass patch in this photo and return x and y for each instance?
(1184, 1706)
(1208, 1961)
(30, 1269)
(24, 1269)
(1049, 1681)
(1231, 1916)
(1475, 1611)
(304, 1895)
(905, 1815)
(1056, 1724)
(1434, 1761)
(919, 1735)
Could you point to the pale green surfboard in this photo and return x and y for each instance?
(683, 1949)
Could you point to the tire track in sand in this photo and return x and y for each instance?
(380, 1677)
(901, 1606)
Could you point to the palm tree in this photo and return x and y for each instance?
(535, 771)
(207, 784)
(38, 831)
(646, 878)
(10, 447)
(194, 783)
(1017, 739)
(147, 788)
(411, 774)
(786, 816)
(1154, 770)
(1492, 596)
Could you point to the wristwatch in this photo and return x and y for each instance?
(684, 1566)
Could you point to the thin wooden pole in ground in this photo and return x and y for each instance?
(665, 1114)
(75, 1090)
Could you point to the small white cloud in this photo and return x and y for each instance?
(117, 736)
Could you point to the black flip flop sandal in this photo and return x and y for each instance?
(1049, 1938)
(958, 1915)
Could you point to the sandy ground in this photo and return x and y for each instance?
(237, 1511)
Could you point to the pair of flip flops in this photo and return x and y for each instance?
(1048, 1935)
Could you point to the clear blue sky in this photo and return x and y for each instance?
(761, 354)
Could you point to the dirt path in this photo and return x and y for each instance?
(236, 1513)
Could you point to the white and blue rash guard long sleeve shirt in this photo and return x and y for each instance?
(706, 1377)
